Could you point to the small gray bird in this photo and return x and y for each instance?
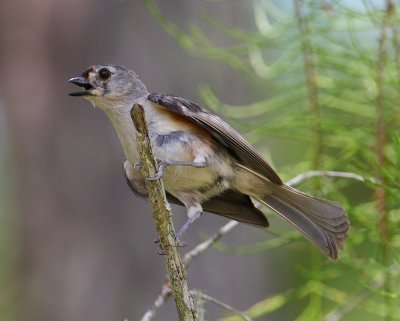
(206, 164)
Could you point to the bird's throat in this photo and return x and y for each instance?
(123, 124)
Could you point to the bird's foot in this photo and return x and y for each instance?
(138, 165)
(178, 243)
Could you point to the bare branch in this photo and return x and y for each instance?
(204, 246)
(221, 304)
(159, 302)
(307, 175)
(162, 219)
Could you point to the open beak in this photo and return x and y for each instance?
(81, 82)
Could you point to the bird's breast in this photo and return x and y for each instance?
(187, 146)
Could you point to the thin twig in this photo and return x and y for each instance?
(162, 217)
(310, 174)
(204, 246)
(159, 302)
(221, 304)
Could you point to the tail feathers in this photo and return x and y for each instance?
(323, 223)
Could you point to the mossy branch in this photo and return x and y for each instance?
(185, 305)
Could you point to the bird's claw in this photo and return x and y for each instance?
(164, 163)
(178, 243)
(138, 165)
(160, 172)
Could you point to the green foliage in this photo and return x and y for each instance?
(332, 70)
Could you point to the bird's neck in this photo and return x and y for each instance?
(122, 122)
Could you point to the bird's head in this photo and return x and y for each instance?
(109, 86)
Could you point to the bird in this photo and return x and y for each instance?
(205, 164)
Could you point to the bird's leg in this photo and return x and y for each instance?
(194, 211)
(164, 163)
(160, 250)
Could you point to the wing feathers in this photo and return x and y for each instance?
(220, 130)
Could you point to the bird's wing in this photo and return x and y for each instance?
(220, 130)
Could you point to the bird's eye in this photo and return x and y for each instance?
(104, 73)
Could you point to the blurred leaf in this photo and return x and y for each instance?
(265, 306)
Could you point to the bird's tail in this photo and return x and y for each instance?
(322, 222)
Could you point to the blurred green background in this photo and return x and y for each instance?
(313, 84)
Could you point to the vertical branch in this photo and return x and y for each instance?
(162, 218)
(315, 302)
(396, 47)
(380, 197)
(379, 124)
(311, 82)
